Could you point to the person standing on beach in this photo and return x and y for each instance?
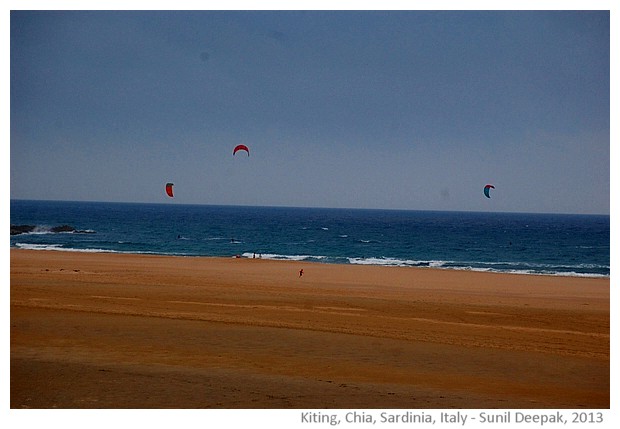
(301, 272)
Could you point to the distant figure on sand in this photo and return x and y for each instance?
(301, 272)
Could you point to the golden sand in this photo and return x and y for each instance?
(136, 331)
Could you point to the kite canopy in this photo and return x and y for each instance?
(241, 147)
(487, 188)
(169, 189)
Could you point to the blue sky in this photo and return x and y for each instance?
(383, 109)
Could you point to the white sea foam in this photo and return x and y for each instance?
(379, 261)
(283, 257)
(29, 246)
(58, 247)
(535, 269)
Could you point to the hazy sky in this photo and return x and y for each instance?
(407, 110)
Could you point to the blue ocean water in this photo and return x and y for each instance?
(569, 245)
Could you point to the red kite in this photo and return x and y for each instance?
(241, 147)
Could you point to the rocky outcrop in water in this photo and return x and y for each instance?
(21, 229)
(25, 229)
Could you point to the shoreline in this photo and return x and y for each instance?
(252, 333)
(293, 260)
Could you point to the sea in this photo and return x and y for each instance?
(522, 243)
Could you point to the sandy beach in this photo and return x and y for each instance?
(136, 331)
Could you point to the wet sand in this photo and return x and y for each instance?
(136, 331)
